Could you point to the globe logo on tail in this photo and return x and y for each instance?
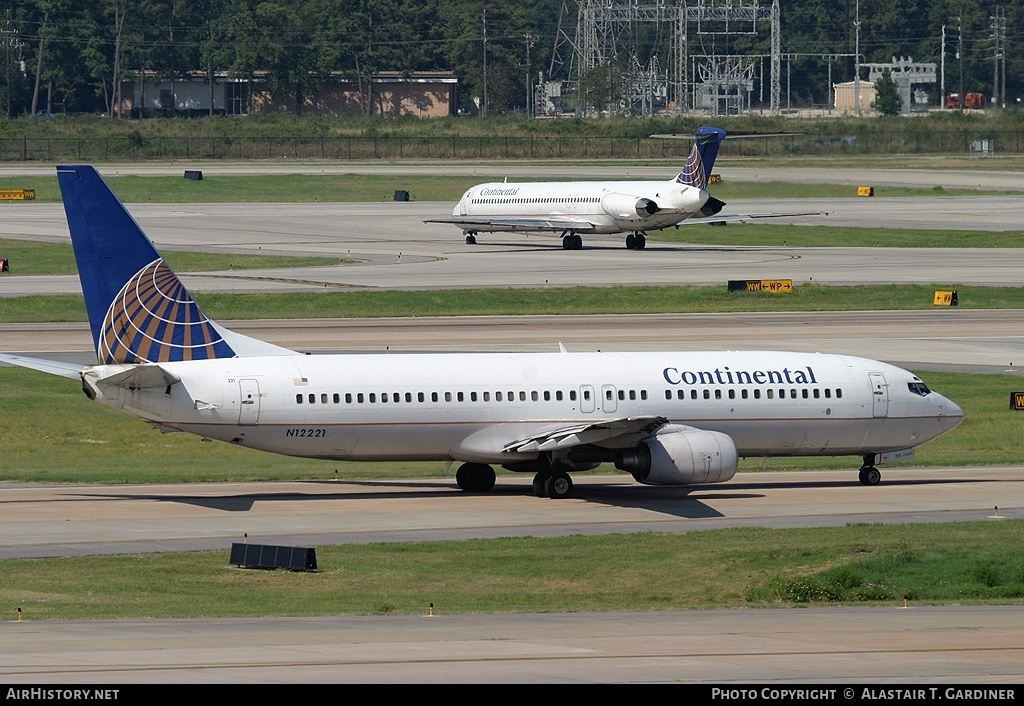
(693, 171)
(153, 319)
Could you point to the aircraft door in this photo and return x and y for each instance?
(608, 403)
(249, 410)
(879, 395)
(587, 402)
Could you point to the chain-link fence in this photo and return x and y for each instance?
(362, 148)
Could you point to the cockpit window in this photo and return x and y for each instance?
(918, 388)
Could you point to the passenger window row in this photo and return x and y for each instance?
(542, 199)
(422, 397)
(756, 393)
(610, 393)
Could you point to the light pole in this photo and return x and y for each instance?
(529, 80)
(483, 110)
(856, 61)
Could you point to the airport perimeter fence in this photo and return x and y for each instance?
(368, 148)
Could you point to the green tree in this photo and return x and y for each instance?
(599, 87)
(47, 22)
(286, 51)
(240, 55)
(887, 95)
(503, 53)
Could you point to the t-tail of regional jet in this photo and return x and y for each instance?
(666, 418)
(702, 158)
(602, 207)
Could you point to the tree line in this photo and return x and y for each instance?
(70, 56)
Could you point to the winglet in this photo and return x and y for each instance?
(701, 161)
(139, 311)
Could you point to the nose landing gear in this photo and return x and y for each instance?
(869, 475)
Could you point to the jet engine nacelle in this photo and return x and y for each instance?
(679, 455)
(629, 208)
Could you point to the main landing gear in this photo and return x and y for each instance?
(479, 478)
(470, 237)
(869, 475)
(571, 241)
(637, 240)
(552, 484)
(475, 477)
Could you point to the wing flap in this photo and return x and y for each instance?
(581, 434)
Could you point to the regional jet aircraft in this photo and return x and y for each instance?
(666, 418)
(574, 207)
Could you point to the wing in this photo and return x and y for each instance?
(555, 224)
(577, 435)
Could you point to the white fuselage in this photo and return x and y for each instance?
(468, 407)
(597, 207)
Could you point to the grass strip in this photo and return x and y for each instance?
(295, 188)
(32, 258)
(575, 300)
(809, 235)
(961, 563)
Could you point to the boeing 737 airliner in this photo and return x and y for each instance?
(666, 418)
(574, 207)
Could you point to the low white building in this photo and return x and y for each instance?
(846, 97)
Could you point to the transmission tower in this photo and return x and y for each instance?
(609, 35)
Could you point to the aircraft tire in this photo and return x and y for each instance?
(539, 484)
(558, 485)
(641, 241)
(487, 479)
(475, 477)
(631, 241)
(870, 476)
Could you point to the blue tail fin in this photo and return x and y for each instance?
(139, 310)
(701, 161)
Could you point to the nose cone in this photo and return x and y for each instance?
(949, 411)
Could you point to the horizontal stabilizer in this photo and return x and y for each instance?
(72, 371)
(137, 377)
(730, 136)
